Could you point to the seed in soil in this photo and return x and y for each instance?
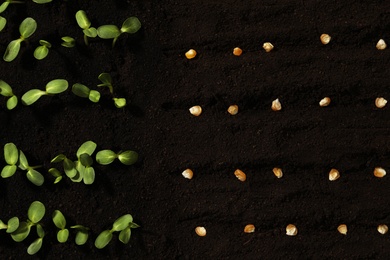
(342, 229)
(325, 38)
(240, 175)
(383, 229)
(233, 110)
(276, 105)
(381, 45)
(325, 102)
(267, 46)
(188, 174)
(278, 172)
(334, 175)
(250, 228)
(291, 230)
(380, 102)
(191, 54)
(200, 231)
(379, 172)
(196, 110)
(237, 51)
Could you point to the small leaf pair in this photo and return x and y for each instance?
(68, 42)
(84, 92)
(53, 87)
(11, 225)
(123, 225)
(106, 80)
(42, 51)
(60, 222)
(26, 29)
(130, 25)
(85, 24)
(6, 91)
(105, 157)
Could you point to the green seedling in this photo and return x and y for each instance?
(42, 1)
(6, 91)
(85, 24)
(68, 42)
(32, 175)
(6, 3)
(3, 22)
(11, 225)
(42, 51)
(35, 213)
(119, 102)
(84, 92)
(130, 25)
(123, 225)
(53, 87)
(106, 80)
(56, 173)
(60, 222)
(11, 155)
(81, 235)
(105, 157)
(26, 29)
(37, 244)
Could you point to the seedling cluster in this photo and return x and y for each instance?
(19, 231)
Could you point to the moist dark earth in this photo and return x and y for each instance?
(150, 70)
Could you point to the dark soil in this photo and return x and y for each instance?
(150, 70)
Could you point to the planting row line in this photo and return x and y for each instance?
(58, 86)
(276, 105)
(268, 47)
(28, 27)
(333, 175)
(19, 230)
(292, 230)
(76, 171)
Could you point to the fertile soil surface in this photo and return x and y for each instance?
(150, 70)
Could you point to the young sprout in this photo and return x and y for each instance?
(11, 155)
(53, 87)
(123, 225)
(68, 165)
(68, 42)
(56, 173)
(42, 51)
(84, 163)
(81, 235)
(130, 25)
(119, 102)
(105, 157)
(11, 225)
(84, 23)
(35, 213)
(6, 3)
(6, 91)
(60, 222)
(84, 92)
(32, 175)
(106, 80)
(37, 244)
(3, 22)
(26, 29)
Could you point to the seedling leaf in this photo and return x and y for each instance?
(36, 211)
(105, 157)
(128, 157)
(90, 32)
(89, 175)
(80, 90)
(108, 31)
(27, 27)
(11, 153)
(122, 222)
(3, 22)
(56, 173)
(119, 102)
(124, 235)
(94, 96)
(80, 172)
(21, 232)
(103, 239)
(12, 50)
(56, 86)
(69, 168)
(2, 225)
(5, 89)
(32, 96)
(23, 163)
(68, 42)
(82, 19)
(62, 235)
(81, 237)
(8, 171)
(41, 52)
(88, 147)
(4, 6)
(58, 158)
(35, 246)
(42, 1)
(86, 160)
(12, 102)
(35, 177)
(45, 43)
(106, 79)
(131, 25)
(59, 219)
(12, 224)
(40, 231)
